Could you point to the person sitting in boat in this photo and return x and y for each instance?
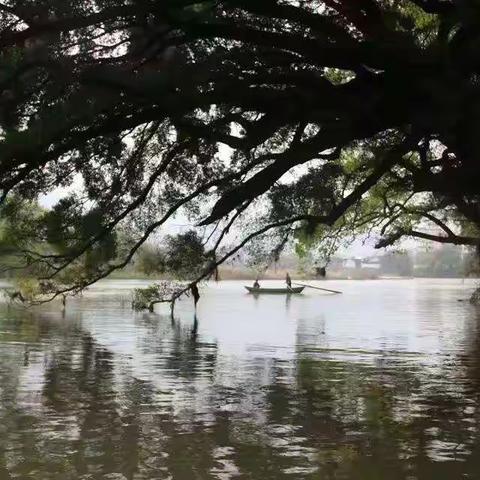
(288, 281)
(256, 284)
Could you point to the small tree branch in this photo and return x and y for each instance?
(455, 240)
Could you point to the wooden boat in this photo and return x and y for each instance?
(284, 291)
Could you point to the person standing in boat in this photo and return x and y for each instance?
(288, 281)
(256, 284)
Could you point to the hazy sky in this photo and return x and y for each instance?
(362, 247)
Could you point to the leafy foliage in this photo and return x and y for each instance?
(180, 256)
(150, 260)
(146, 298)
(185, 255)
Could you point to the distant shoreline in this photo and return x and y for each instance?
(280, 275)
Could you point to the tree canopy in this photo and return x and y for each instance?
(288, 117)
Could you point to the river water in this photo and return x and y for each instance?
(382, 382)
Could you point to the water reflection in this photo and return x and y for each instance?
(107, 394)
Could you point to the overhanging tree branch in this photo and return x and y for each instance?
(453, 240)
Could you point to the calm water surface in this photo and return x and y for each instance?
(382, 382)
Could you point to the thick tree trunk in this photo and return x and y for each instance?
(475, 298)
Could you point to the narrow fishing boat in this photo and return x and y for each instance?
(284, 291)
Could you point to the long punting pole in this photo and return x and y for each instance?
(316, 288)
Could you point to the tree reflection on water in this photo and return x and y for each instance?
(70, 408)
